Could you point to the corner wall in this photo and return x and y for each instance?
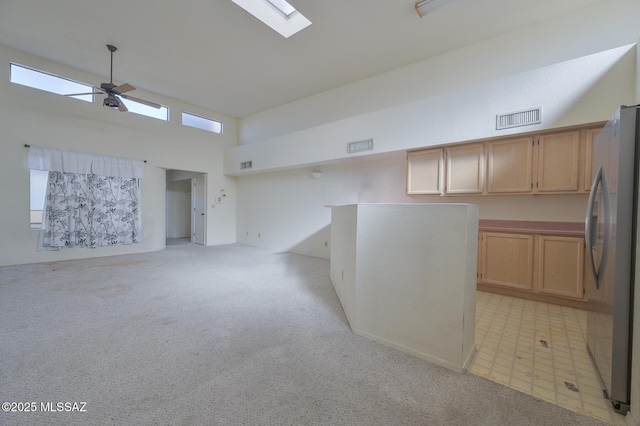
(30, 116)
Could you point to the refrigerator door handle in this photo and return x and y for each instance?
(591, 228)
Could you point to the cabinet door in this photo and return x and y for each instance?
(561, 266)
(507, 260)
(509, 166)
(424, 172)
(558, 162)
(480, 259)
(465, 169)
(590, 136)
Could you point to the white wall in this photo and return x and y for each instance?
(30, 116)
(289, 208)
(577, 91)
(596, 28)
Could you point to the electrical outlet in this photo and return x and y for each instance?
(326, 244)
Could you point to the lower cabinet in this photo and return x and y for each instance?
(507, 260)
(561, 266)
(543, 267)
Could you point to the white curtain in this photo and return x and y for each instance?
(75, 162)
(91, 200)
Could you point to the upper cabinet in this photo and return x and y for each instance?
(558, 162)
(509, 166)
(425, 171)
(544, 163)
(465, 169)
(587, 175)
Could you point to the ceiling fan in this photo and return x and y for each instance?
(116, 94)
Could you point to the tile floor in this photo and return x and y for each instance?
(539, 349)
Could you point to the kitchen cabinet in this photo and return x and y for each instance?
(587, 175)
(464, 169)
(509, 166)
(425, 171)
(558, 159)
(507, 260)
(543, 163)
(533, 265)
(561, 266)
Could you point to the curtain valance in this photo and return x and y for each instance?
(54, 160)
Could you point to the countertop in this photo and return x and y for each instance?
(533, 227)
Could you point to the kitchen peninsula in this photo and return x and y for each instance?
(405, 275)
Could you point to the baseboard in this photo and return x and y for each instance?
(470, 357)
(533, 296)
(426, 357)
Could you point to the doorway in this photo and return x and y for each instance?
(185, 207)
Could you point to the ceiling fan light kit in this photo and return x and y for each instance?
(116, 94)
(113, 102)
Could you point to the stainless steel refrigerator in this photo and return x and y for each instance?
(610, 234)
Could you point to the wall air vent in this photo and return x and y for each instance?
(519, 118)
(245, 165)
(353, 147)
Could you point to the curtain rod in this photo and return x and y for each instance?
(26, 145)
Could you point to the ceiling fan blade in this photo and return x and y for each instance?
(142, 101)
(126, 87)
(122, 107)
(83, 94)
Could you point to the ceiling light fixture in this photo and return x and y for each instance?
(277, 14)
(426, 6)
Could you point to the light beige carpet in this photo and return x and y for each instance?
(229, 335)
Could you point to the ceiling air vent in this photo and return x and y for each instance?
(245, 165)
(353, 147)
(519, 118)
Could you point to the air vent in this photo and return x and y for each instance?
(354, 147)
(245, 165)
(519, 118)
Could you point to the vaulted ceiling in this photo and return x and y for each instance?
(213, 54)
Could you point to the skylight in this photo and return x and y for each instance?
(277, 14)
(284, 7)
(202, 123)
(49, 82)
